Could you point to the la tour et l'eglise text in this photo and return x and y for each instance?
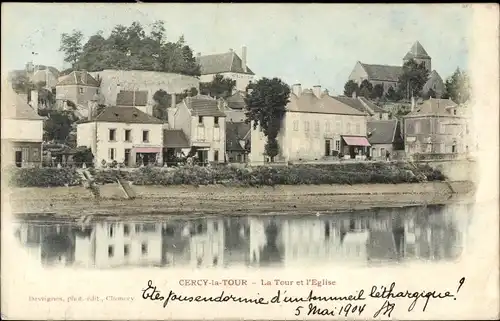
(302, 282)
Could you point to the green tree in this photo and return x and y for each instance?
(393, 95)
(219, 87)
(413, 79)
(58, 125)
(71, 45)
(84, 155)
(377, 91)
(351, 87)
(266, 104)
(458, 87)
(365, 89)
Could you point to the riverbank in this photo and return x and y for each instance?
(217, 199)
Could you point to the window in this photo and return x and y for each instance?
(216, 120)
(200, 120)
(454, 148)
(144, 248)
(316, 125)
(349, 128)
(454, 111)
(358, 129)
(295, 125)
(145, 136)
(337, 145)
(81, 90)
(216, 226)
(442, 129)
(126, 250)
(327, 126)
(111, 230)
(112, 135)
(306, 126)
(216, 156)
(328, 147)
(137, 228)
(97, 91)
(417, 127)
(338, 126)
(111, 251)
(112, 153)
(126, 229)
(128, 135)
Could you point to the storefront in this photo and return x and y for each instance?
(147, 155)
(355, 147)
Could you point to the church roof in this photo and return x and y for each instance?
(417, 51)
(382, 72)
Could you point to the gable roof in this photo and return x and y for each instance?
(201, 105)
(132, 98)
(130, 115)
(234, 133)
(223, 62)
(417, 51)
(82, 78)
(433, 107)
(382, 72)
(381, 131)
(15, 107)
(353, 102)
(175, 138)
(236, 101)
(307, 102)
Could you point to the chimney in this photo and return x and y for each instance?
(297, 89)
(317, 91)
(412, 103)
(354, 94)
(173, 103)
(244, 58)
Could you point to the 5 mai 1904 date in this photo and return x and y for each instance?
(341, 310)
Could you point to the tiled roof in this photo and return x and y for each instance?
(417, 51)
(352, 102)
(372, 106)
(307, 102)
(236, 101)
(126, 115)
(434, 77)
(382, 72)
(433, 107)
(224, 62)
(78, 78)
(381, 131)
(175, 138)
(132, 98)
(234, 133)
(14, 107)
(203, 106)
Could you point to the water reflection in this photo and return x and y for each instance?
(360, 237)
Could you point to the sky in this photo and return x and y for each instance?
(311, 44)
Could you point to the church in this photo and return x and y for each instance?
(388, 76)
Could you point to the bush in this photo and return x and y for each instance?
(350, 173)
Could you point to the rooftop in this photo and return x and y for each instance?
(382, 72)
(381, 131)
(417, 51)
(307, 102)
(82, 78)
(222, 62)
(129, 115)
(202, 105)
(132, 98)
(175, 138)
(433, 107)
(15, 107)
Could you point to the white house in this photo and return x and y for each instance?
(227, 64)
(123, 134)
(316, 126)
(22, 131)
(204, 123)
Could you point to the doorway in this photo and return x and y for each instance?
(19, 158)
(126, 161)
(328, 147)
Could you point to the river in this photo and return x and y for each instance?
(363, 237)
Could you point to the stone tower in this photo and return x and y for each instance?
(418, 53)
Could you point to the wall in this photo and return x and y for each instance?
(376, 150)
(210, 134)
(84, 135)
(22, 130)
(242, 80)
(180, 118)
(72, 92)
(358, 74)
(115, 80)
(31, 153)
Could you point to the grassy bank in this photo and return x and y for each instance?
(349, 173)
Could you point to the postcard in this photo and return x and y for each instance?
(250, 161)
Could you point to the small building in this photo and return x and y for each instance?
(123, 134)
(78, 87)
(175, 145)
(436, 126)
(384, 136)
(227, 64)
(204, 123)
(237, 141)
(22, 131)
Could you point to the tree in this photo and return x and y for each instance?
(365, 89)
(377, 91)
(71, 45)
(83, 155)
(458, 87)
(393, 95)
(219, 87)
(58, 125)
(266, 107)
(413, 79)
(163, 100)
(430, 94)
(351, 87)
